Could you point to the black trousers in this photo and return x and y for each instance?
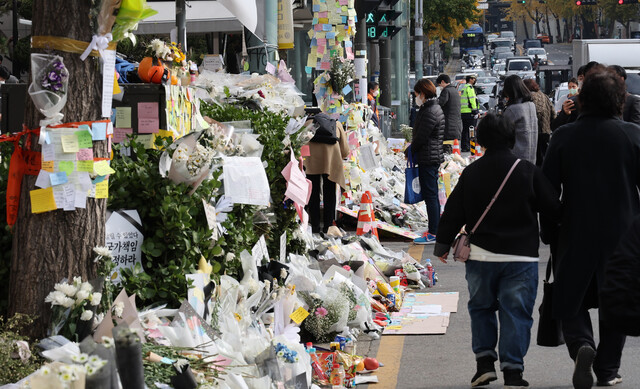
(579, 332)
(321, 184)
(467, 121)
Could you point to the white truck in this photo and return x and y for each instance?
(623, 52)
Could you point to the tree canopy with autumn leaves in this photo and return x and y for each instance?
(445, 19)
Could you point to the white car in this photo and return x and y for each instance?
(540, 52)
(560, 95)
(498, 69)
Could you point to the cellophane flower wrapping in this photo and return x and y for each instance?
(49, 85)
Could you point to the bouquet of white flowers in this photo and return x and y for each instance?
(73, 305)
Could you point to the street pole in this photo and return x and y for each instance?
(16, 37)
(385, 72)
(360, 61)
(181, 23)
(418, 39)
(271, 27)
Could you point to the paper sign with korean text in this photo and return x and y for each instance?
(124, 239)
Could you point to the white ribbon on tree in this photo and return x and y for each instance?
(99, 43)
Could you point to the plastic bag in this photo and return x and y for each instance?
(48, 89)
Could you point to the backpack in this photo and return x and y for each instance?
(326, 129)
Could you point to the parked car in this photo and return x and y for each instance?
(543, 37)
(537, 51)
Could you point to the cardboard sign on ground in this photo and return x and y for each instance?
(423, 314)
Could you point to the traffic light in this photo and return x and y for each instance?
(588, 2)
(380, 21)
(621, 2)
(522, 1)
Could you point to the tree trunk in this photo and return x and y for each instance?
(55, 245)
(537, 22)
(526, 29)
(546, 19)
(558, 29)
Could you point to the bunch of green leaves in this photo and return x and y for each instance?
(6, 237)
(176, 234)
(14, 369)
(342, 72)
(271, 128)
(159, 372)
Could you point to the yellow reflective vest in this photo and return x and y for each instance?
(468, 99)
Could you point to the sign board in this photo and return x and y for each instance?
(124, 239)
(483, 6)
(213, 62)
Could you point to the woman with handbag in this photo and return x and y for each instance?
(428, 151)
(498, 198)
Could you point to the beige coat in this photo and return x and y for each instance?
(327, 159)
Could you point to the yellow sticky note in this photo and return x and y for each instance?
(102, 168)
(85, 166)
(447, 183)
(299, 315)
(102, 189)
(66, 166)
(116, 87)
(147, 141)
(48, 166)
(70, 144)
(123, 117)
(42, 200)
(166, 134)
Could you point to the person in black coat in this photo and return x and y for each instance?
(449, 100)
(620, 294)
(427, 149)
(502, 270)
(631, 109)
(599, 201)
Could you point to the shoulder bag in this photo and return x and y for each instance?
(462, 245)
(549, 329)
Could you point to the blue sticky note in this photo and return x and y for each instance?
(99, 131)
(343, 118)
(331, 35)
(327, 27)
(113, 115)
(355, 18)
(58, 178)
(348, 44)
(346, 90)
(314, 42)
(344, 20)
(316, 8)
(308, 69)
(314, 21)
(98, 179)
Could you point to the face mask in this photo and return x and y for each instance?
(573, 91)
(376, 93)
(419, 101)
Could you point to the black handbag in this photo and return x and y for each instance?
(549, 329)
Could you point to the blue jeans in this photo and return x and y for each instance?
(510, 289)
(428, 177)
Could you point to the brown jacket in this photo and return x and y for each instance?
(327, 159)
(544, 111)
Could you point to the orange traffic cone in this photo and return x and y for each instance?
(456, 147)
(366, 216)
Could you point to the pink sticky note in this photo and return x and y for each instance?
(304, 151)
(320, 49)
(148, 125)
(85, 155)
(322, 41)
(148, 110)
(324, 14)
(325, 65)
(120, 134)
(269, 68)
(353, 139)
(317, 27)
(349, 53)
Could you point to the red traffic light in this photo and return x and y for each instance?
(580, 2)
(620, 1)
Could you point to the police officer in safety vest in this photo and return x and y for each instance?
(468, 110)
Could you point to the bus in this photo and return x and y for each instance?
(472, 39)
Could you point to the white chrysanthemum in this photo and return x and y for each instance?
(86, 287)
(77, 281)
(54, 297)
(80, 358)
(86, 315)
(230, 257)
(66, 302)
(66, 376)
(95, 298)
(315, 296)
(283, 274)
(118, 308)
(67, 289)
(90, 370)
(107, 342)
(81, 296)
(97, 319)
(103, 251)
(45, 371)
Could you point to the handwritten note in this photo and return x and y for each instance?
(102, 190)
(85, 155)
(66, 166)
(120, 134)
(299, 315)
(69, 144)
(48, 166)
(123, 117)
(148, 110)
(99, 130)
(42, 200)
(85, 166)
(43, 180)
(102, 168)
(58, 178)
(108, 81)
(148, 125)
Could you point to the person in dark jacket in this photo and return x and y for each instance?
(502, 270)
(449, 100)
(570, 108)
(620, 294)
(372, 96)
(427, 149)
(631, 109)
(599, 198)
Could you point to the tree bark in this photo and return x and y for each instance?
(526, 28)
(55, 245)
(558, 29)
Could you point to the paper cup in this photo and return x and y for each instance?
(395, 283)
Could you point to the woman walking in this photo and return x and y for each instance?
(522, 112)
(545, 114)
(502, 270)
(427, 149)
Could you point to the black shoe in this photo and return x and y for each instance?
(582, 377)
(612, 382)
(513, 379)
(486, 371)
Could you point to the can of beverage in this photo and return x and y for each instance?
(391, 297)
(342, 340)
(334, 346)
